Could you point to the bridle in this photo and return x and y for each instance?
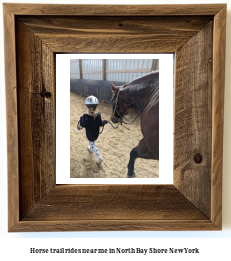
(116, 109)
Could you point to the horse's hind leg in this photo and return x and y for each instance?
(141, 151)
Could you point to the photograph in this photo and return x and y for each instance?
(115, 105)
(114, 118)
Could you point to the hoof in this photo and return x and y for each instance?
(131, 175)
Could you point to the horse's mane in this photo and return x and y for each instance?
(143, 79)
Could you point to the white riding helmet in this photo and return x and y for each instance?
(91, 101)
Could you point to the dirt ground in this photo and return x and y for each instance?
(114, 146)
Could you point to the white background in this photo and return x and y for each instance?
(63, 119)
(213, 245)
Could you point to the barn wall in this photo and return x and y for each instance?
(90, 68)
(98, 88)
(94, 76)
(118, 69)
(121, 70)
(74, 69)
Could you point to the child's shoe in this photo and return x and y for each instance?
(100, 159)
(89, 149)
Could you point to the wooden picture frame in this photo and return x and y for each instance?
(33, 34)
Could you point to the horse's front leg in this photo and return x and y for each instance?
(133, 156)
(141, 151)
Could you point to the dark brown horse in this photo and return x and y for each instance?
(142, 95)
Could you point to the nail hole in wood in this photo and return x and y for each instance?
(198, 158)
(120, 24)
(46, 95)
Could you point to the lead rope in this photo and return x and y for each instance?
(111, 125)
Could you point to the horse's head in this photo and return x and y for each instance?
(119, 106)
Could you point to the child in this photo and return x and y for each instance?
(92, 121)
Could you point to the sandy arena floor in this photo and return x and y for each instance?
(113, 145)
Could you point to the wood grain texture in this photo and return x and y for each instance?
(218, 114)
(12, 122)
(114, 10)
(111, 225)
(113, 202)
(193, 126)
(111, 207)
(35, 66)
(194, 201)
(114, 34)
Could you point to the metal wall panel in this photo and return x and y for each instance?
(117, 72)
(90, 67)
(116, 66)
(115, 69)
(74, 69)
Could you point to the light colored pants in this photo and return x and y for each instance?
(93, 147)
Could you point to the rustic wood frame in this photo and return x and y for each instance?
(33, 33)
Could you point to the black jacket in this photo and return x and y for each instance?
(92, 125)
